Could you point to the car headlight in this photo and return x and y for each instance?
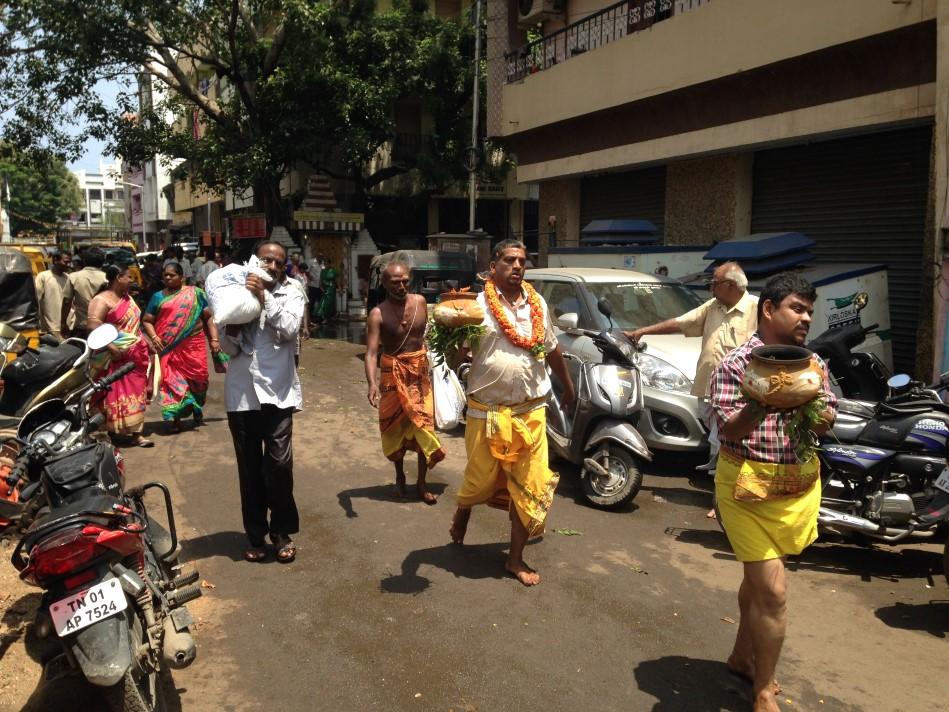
(662, 375)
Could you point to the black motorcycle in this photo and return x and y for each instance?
(884, 464)
(114, 595)
(859, 375)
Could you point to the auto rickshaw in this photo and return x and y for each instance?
(432, 273)
(19, 308)
(119, 253)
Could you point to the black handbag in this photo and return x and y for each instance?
(69, 477)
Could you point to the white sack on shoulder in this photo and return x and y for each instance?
(231, 302)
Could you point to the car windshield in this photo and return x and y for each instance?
(637, 304)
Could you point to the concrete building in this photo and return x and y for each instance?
(103, 198)
(720, 118)
(149, 184)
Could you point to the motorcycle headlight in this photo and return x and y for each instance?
(662, 375)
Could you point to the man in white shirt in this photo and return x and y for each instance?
(505, 433)
(261, 393)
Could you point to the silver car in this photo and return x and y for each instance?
(671, 420)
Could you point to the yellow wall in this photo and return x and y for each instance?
(717, 40)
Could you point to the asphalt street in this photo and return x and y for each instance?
(636, 610)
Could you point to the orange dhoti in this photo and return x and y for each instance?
(406, 408)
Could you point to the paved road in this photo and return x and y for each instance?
(635, 613)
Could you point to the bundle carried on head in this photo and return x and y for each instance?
(456, 321)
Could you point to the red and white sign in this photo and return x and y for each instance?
(249, 226)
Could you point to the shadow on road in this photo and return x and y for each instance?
(869, 562)
(383, 493)
(932, 617)
(681, 683)
(478, 561)
(229, 544)
(713, 539)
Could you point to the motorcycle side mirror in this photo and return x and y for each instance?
(900, 380)
(605, 309)
(102, 336)
(568, 322)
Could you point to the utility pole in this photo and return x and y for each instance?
(5, 235)
(475, 112)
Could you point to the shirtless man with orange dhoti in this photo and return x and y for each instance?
(404, 396)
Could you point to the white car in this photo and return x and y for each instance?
(671, 419)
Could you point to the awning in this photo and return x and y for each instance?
(319, 213)
(619, 232)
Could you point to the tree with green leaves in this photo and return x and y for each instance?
(301, 81)
(42, 190)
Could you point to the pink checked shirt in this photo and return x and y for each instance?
(767, 442)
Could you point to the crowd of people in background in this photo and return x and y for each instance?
(165, 324)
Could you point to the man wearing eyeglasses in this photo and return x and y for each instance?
(261, 393)
(724, 322)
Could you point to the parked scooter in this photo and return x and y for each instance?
(883, 464)
(114, 596)
(601, 435)
(53, 369)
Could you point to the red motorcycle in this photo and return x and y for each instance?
(114, 594)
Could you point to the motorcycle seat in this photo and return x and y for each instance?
(45, 364)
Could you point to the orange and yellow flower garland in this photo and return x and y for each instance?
(534, 344)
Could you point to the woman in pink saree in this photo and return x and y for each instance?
(125, 403)
(176, 321)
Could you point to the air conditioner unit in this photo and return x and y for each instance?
(530, 12)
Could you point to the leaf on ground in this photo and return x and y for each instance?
(568, 532)
(729, 620)
(207, 584)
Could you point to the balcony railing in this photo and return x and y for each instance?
(600, 28)
(406, 147)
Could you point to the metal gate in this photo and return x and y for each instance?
(863, 199)
(633, 194)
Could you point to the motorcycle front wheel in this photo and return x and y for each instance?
(619, 482)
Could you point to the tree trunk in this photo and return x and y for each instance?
(267, 199)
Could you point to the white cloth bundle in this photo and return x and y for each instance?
(231, 302)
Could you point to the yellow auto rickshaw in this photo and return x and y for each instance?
(19, 308)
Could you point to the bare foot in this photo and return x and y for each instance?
(523, 573)
(765, 702)
(426, 496)
(459, 525)
(711, 514)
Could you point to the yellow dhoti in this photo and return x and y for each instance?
(507, 461)
(761, 528)
(406, 408)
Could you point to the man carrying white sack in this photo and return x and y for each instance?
(261, 393)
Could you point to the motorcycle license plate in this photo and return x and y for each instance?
(82, 609)
(942, 482)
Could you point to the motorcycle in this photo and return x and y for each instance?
(600, 434)
(114, 593)
(883, 464)
(858, 375)
(53, 369)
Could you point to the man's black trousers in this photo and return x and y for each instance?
(263, 443)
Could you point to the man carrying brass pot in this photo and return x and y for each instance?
(767, 482)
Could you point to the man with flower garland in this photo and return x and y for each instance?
(505, 435)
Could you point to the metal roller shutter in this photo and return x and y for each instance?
(634, 194)
(863, 199)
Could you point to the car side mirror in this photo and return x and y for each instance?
(604, 306)
(568, 322)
